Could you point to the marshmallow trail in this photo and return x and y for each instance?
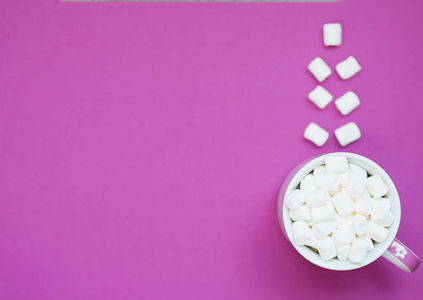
(319, 69)
(341, 219)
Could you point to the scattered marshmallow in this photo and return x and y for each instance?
(343, 236)
(380, 216)
(377, 188)
(329, 182)
(347, 103)
(318, 170)
(359, 224)
(343, 203)
(363, 205)
(342, 222)
(348, 68)
(347, 133)
(332, 34)
(317, 197)
(356, 186)
(301, 214)
(326, 248)
(316, 134)
(376, 232)
(383, 202)
(295, 199)
(358, 251)
(319, 69)
(322, 230)
(301, 233)
(307, 183)
(343, 252)
(336, 164)
(320, 97)
(357, 170)
(323, 213)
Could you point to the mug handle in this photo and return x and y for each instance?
(401, 256)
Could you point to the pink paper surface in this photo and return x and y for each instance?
(142, 145)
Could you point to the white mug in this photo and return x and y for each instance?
(391, 249)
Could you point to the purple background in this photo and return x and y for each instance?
(142, 145)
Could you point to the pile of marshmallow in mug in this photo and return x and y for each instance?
(339, 210)
(348, 133)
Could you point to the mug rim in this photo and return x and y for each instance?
(334, 264)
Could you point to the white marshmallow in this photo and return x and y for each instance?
(348, 68)
(381, 216)
(313, 240)
(343, 179)
(347, 133)
(318, 170)
(357, 170)
(377, 188)
(358, 251)
(301, 214)
(307, 183)
(301, 233)
(320, 97)
(323, 213)
(342, 222)
(316, 134)
(322, 230)
(343, 252)
(343, 203)
(368, 241)
(359, 224)
(347, 103)
(336, 164)
(319, 69)
(356, 186)
(295, 199)
(382, 202)
(316, 197)
(326, 248)
(343, 236)
(329, 182)
(376, 232)
(332, 34)
(363, 205)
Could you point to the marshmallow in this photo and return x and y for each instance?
(368, 241)
(295, 199)
(319, 69)
(347, 103)
(356, 186)
(376, 232)
(343, 252)
(358, 251)
(329, 182)
(357, 170)
(318, 170)
(359, 224)
(322, 230)
(316, 197)
(343, 203)
(377, 188)
(347, 134)
(307, 183)
(383, 202)
(320, 97)
(323, 213)
(301, 233)
(301, 214)
(326, 248)
(313, 240)
(348, 68)
(332, 34)
(316, 134)
(342, 222)
(343, 236)
(380, 216)
(363, 205)
(336, 164)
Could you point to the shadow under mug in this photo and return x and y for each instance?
(391, 249)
